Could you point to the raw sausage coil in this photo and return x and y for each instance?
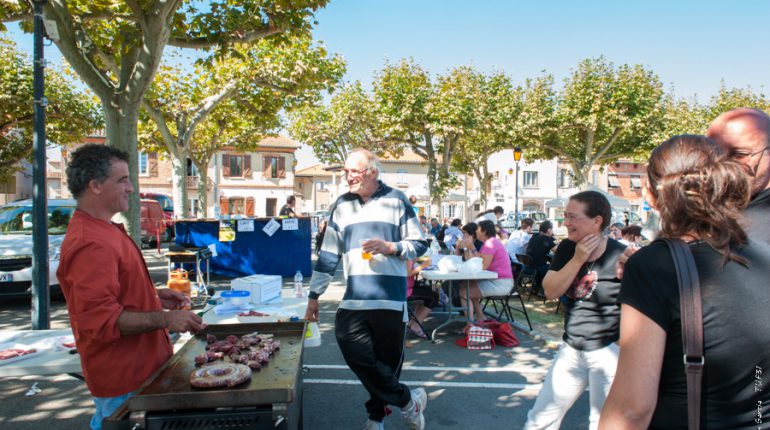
(220, 375)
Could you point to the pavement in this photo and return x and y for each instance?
(466, 389)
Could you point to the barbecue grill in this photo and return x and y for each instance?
(271, 400)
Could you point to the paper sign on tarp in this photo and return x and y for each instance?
(245, 225)
(226, 232)
(271, 227)
(290, 224)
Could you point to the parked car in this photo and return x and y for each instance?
(16, 245)
(153, 223)
(511, 222)
(167, 206)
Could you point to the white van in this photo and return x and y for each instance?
(16, 244)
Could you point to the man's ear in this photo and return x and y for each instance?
(94, 187)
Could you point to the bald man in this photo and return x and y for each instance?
(745, 135)
(373, 231)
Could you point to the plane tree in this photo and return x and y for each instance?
(602, 113)
(261, 79)
(116, 47)
(71, 114)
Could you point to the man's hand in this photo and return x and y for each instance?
(379, 246)
(585, 247)
(172, 299)
(183, 321)
(622, 259)
(311, 314)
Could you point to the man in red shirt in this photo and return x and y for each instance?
(117, 316)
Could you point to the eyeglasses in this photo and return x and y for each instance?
(745, 158)
(573, 217)
(354, 173)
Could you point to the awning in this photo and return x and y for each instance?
(615, 201)
(559, 202)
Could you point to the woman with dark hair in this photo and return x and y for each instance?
(495, 259)
(469, 244)
(700, 195)
(583, 270)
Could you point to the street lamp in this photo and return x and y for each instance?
(517, 158)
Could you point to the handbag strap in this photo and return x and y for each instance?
(691, 315)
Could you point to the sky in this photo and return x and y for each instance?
(691, 45)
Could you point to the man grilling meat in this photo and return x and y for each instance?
(117, 316)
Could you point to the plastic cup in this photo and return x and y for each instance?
(364, 254)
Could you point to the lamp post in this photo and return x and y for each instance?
(517, 158)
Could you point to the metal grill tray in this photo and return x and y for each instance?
(169, 388)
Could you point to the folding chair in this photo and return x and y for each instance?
(412, 317)
(505, 306)
(528, 280)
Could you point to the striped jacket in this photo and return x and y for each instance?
(378, 283)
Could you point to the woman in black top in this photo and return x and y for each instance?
(700, 195)
(583, 269)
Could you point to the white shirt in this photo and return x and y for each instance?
(517, 243)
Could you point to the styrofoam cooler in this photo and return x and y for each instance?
(263, 288)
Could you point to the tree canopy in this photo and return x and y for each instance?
(70, 114)
(601, 114)
(261, 80)
(116, 47)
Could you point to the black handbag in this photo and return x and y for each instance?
(691, 316)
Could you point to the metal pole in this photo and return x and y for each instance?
(41, 298)
(516, 198)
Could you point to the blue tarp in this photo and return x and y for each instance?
(252, 252)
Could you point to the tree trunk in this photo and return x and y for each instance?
(120, 124)
(179, 182)
(203, 178)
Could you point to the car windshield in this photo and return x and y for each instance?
(18, 219)
(165, 203)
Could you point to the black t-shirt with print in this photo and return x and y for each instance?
(593, 321)
(538, 248)
(736, 326)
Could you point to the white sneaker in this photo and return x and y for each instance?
(413, 412)
(374, 425)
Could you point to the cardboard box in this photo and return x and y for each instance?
(263, 288)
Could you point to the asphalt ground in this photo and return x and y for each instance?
(466, 389)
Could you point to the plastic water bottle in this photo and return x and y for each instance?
(434, 247)
(298, 290)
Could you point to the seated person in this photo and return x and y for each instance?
(519, 239)
(416, 290)
(615, 231)
(495, 259)
(631, 235)
(469, 242)
(540, 245)
(453, 234)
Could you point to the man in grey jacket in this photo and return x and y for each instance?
(373, 230)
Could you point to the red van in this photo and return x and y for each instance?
(167, 206)
(153, 222)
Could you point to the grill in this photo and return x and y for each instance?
(256, 418)
(15, 264)
(272, 400)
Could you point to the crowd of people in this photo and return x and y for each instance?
(622, 332)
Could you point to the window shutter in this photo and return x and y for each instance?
(152, 161)
(224, 207)
(266, 166)
(281, 167)
(225, 166)
(250, 206)
(247, 166)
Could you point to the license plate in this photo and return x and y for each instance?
(6, 277)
